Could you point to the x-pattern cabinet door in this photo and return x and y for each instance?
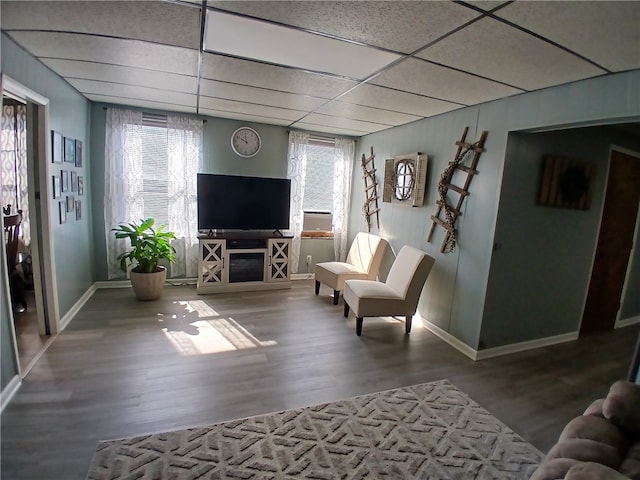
(212, 271)
(278, 268)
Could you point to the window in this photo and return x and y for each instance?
(151, 162)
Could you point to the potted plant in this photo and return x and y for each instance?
(148, 247)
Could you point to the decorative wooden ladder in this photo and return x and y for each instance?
(451, 213)
(370, 189)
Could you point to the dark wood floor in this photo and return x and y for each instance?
(124, 368)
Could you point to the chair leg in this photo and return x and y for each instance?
(407, 323)
(336, 296)
(359, 326)
(317, 287)
(346, 309)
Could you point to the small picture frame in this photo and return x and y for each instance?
(74, 181)
(80, 185)
(57, 183)
(64, 176)
(78, 153)
(69, 150)
(78, 210)
(57, 154)
(62, 211)
(71, 203)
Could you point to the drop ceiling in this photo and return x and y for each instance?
(346, 68)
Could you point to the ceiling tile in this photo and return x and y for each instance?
(255, 39)
(117, 74)
(95, 87)
(243, 116)
(109, 50)
(248, 108)
(338, 122)
(398, 26)
(260, 96)
(423, 78)
(135, 102)
(218, 67)
(161, 22)
(370, 114)
(328, 129)
(606, 32)
(482, 47)
(376, 96)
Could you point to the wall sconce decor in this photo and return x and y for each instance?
(405, 178)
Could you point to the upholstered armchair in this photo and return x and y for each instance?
(398, 296)
(363, 262)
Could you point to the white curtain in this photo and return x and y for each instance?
(125, 190)
(342, 168)
(297, 171)
(185, 161)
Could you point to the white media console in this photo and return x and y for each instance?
(243, 262)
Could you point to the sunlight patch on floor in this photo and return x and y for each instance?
(208, 335)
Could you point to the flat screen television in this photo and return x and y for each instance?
(232, 202)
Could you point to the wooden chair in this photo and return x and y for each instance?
(399, 295)
(363, 261)
(11, 224)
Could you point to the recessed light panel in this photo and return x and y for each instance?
(259, 40)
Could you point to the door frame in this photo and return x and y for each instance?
(39, 170)
(618, 322)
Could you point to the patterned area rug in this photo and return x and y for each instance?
(429, 431)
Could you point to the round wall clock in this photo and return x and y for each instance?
(246, 142)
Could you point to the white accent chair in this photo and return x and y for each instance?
(399, 295)
(363, 262)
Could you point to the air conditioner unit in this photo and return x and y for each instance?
(317, 221)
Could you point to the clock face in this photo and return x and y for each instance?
(245, 142)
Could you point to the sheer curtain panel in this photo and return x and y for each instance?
(297, 172)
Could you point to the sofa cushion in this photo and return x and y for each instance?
(586, 450)
(631, 464)
(621, 406)
(554, 469)
(593, 471)
(597, 429)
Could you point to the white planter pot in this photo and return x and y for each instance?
(148, 286)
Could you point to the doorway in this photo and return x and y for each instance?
(23, 161)
(615, 241)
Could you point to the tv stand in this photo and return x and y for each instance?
(243, 261)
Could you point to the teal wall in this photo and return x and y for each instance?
(454, 297)
(68, 114)
(540, 273)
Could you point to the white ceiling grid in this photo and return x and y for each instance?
(345, 68)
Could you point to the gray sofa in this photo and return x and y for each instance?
(603, 443)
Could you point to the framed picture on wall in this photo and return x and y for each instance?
(71, 203)
(64, 176)
(78, 153)
(74, 181)
(78, 210)
(69, 150)
(62, 212)
(80, 185)
(57, 183)
(57, 154)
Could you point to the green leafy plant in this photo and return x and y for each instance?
(148, 245)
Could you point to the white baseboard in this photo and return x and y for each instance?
(474, 354)
(627, 321)
(302, 276)
(451, 340)
(64, 321)
(9, 391)
(528, 345)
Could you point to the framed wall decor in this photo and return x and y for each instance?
(69, 150)
(62, 212)
(64, 176)
(80, 185)
(405, 178)
(57, 183)
(74, 181)
(71, 203)
(78, 153)
(57, 153)
(566, 183)
(78, 210)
